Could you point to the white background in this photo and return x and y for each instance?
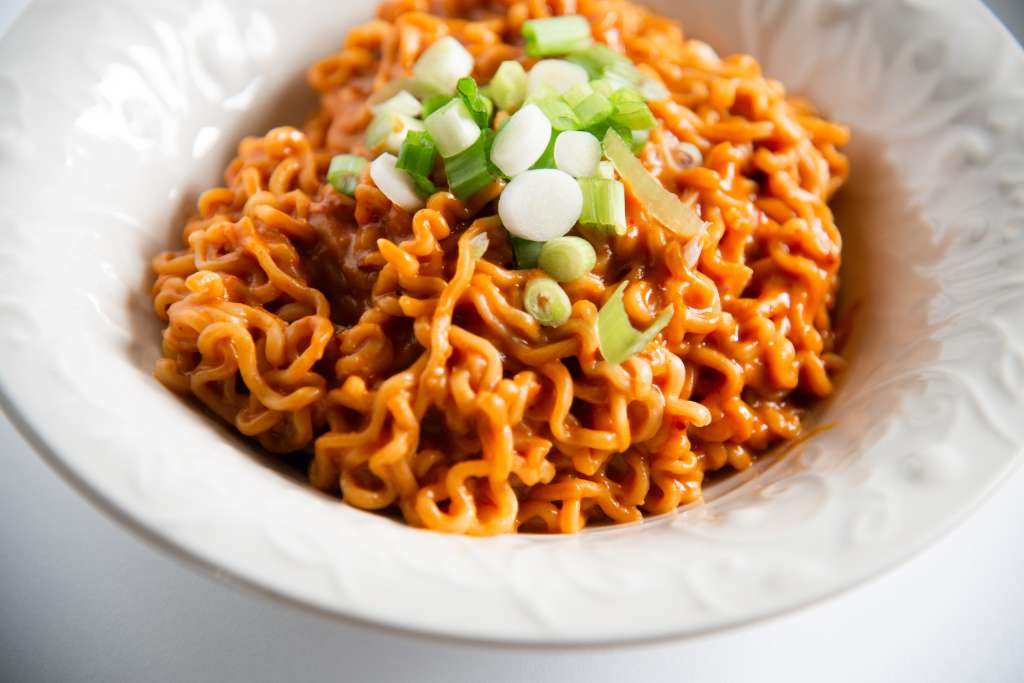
(83, 600)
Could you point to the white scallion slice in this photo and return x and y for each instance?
(442, 65)
(522, 141)
(453, 128)
(558, 74)
(388, 129)
(577, 153)
(401, 103)
(396, 184)
(605, 169)
(540, 204)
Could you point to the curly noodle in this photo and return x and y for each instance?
(314, 321)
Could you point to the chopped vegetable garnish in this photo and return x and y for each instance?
(521, 141)
(478, 245)
(417, 158)
(508, 87)
(468, 171)
(631, 111)
(442, 64)
(388, 129)
(344, 171)
(540, 204)
(616, 336)
(576, 94)
(547, 302)
(567, 258)
(593, 110)
(598, 59)
(453, 128)
(554, 107)
(637, 139)
(557, 74)
(478, 105)
(604, 205)
(547, 159)
(664, 206)
(434, 102)
(605, 169)
(396, 184)
(577, 153)
(556, 35)
(402, 103)
(526, 252)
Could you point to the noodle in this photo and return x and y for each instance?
(378, 341)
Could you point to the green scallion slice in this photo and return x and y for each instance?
(417, 158)
(388, 129)
(344, 171)
(616, 336)
(567, 258)
(604, 205)
(631, 111)
(557, 110)
(453, 128)
(469, 171)
(593, 110)
(478, 105)
(547, 302)
(556, 35)
(526, 252)
(508, 87)
(434, 102)
(664, 206)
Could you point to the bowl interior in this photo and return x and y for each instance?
(925, 419)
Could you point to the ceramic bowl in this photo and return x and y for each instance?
(115, 115)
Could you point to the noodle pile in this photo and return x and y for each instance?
(378, 341)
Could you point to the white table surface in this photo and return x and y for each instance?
(81, 599)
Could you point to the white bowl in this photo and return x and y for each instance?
(114, 116)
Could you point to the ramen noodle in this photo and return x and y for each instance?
(384, 346)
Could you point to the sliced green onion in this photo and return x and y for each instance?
(659, 202)
(442, 64)
(389, 90)
(577, 153)
(388, 129)
(556, 36)
(453, 128)
(417, 158)
(521, 141)
(616, 336)
(593, 110)
(603, 87)
(478, 245)
(631, 111)
(434, 102)
(468, 171)
(508, 87)
(478, 105)
(526, 252)
(547, 159)
(577, 93)
(567, 258)
(606, 169)
(557, 74)
(637, 139)
(558, 111)
(598, 58)
(540, 204)
(604, 205)
(547, 302)
(344, 171)
(396, 184)
(401, 103)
